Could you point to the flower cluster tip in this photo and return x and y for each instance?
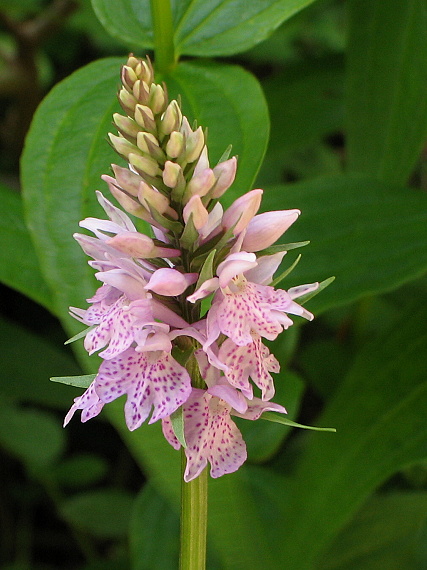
(145, 319)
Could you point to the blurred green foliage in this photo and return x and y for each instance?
(345, 85)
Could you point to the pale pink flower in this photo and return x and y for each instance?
(210, 433)
(151, 378)
(265, 229)
(252, 360)
(244, 304)
(88, 402)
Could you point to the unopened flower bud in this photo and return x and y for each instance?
(141, 246)
(170, 282)
(127, 101)
(175, 144)
(194, 145)
(127, 126)
(171, 173)
(133, 62)
(157, 98)
(144, 165)
(200, 184)
(152, 147)
(241, 211)
(203, 162)
(141, 92)
(171, 119)
(195, 207)
(122, 145)
(128, 203)
(125, 179)
(225, 173)
(142, 141)
(128, 77)
(264, 229)
(152, 198)
(145, 118)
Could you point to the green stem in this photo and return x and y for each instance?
(164, 50)
(194, 510)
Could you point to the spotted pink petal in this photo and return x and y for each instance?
(150, 380)
(169, 434)
(118, 326)
(211, 436)
(252, 360)
(245, 311)
(88, 402)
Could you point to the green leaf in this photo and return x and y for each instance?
(77, 381)
(322, 285)
(287, 272)
(152, 517)
(225, 28)
(22, 430)
(80, 470)
(177, 421)
(79, 335)
(104, 513)
(281, 247)
(26, 379)
(19, 268)
(71, 122)
(386, 384)
(206, 272)
(370, 235)
(263, 439)
(211, 94)
(201, 28)
(271, 417)
(306, 106)
(386, 89)
(387, 532)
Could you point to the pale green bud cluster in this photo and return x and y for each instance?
(167, 157)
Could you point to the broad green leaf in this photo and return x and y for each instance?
(306, 107)
(28, 361)
(263, 439)
(387, 532)
(386, 89)
(370, 235)
(80, 470)
(379, 413)
(242, 508)
(152, 517)
(64, 157)
(212, 94)
(19, 268)
(22, 430)
(104, 513)
(225, 28)
(201, 28)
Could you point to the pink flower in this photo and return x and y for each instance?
(88, 402)
(210, 433)
(252, 360)
(151, 379)
(264, 229)
(244, 304)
